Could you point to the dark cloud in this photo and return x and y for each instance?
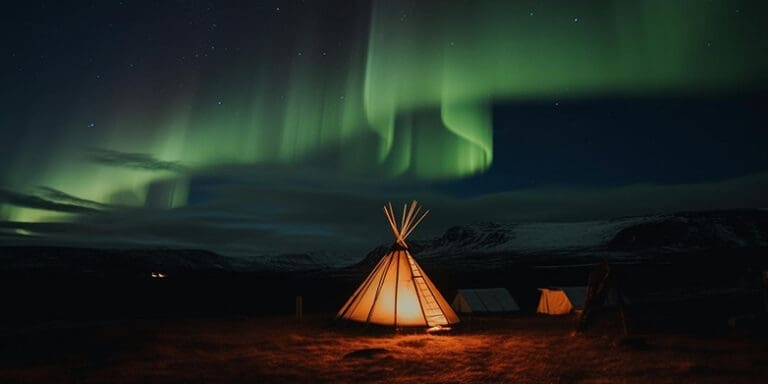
(65, 198)
(36, 202)
(252, 216)
(131, 160)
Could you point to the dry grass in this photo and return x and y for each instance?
(524, 349)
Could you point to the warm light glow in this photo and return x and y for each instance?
(408, 307)
(554, 302)
(398, 292)
(438, 328)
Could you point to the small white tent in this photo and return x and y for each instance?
(562, 300)
(491, 300)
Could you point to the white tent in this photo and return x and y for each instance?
(398, 292)
(561, 300)
(490, 300)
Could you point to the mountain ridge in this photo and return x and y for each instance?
(475, 246)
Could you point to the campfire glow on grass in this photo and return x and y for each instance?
(516, 349)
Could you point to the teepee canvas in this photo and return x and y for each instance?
(398, 292)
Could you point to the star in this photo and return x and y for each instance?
(575, 19)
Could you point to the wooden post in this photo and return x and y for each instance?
(299, 308)
(765, 289)
(622, 309)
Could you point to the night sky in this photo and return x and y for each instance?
(254, 127)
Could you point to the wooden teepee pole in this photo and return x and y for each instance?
(402, 218)
(391, 221)
(409, 217)
(416, 224)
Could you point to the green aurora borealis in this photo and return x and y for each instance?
(408, 95)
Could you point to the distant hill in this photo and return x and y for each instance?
(142, 262)
(109, 261)
(493, 245)
(482, 246)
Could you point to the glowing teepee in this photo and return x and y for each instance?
(398, 292)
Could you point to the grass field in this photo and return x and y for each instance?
(518, 349)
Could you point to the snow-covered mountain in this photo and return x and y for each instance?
(476, 247)
(695, 230)
(493, 245)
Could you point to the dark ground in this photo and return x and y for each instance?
(278, 349)
(119, 325)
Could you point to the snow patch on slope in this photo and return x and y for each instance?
(529, 237)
